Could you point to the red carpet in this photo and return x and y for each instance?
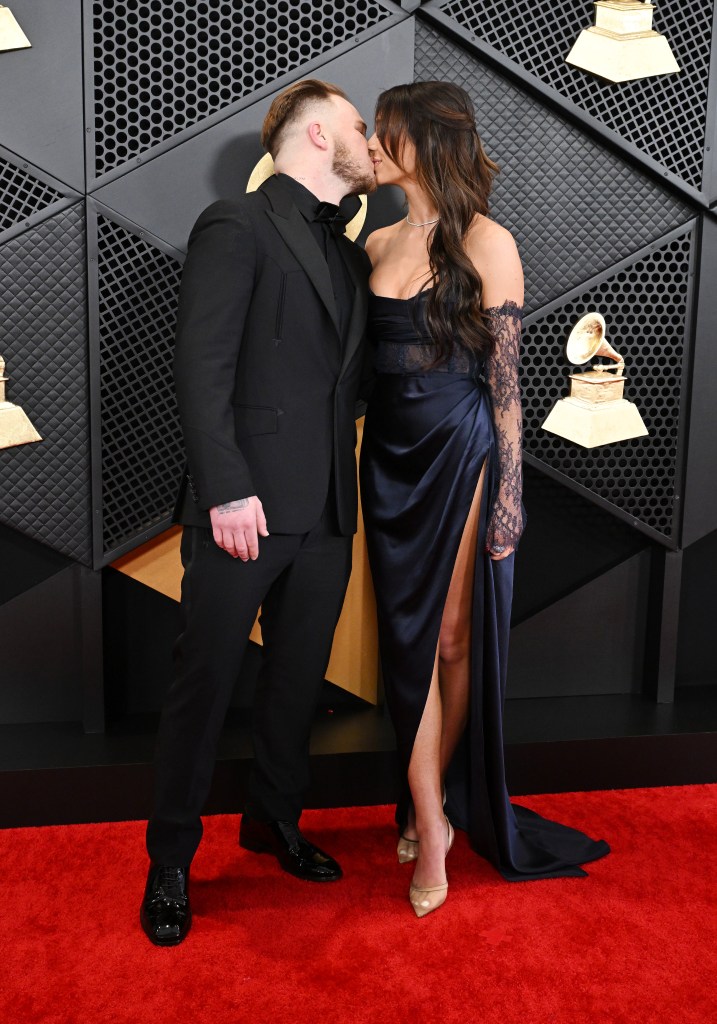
(634, 942)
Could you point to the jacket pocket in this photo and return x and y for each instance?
(250, 420)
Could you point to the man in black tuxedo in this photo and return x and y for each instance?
(269, 357)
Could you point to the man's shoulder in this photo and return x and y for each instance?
(240, 209)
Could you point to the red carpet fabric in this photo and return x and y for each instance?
(635, 942)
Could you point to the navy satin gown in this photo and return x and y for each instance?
(427, 434)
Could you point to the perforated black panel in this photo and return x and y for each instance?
(46, 485)
(569, 541)
(574, 207)
(664, 116)
(645, 308)
(21, 195)
(142, 451)
(163, 65)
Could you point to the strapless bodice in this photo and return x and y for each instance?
(402, 343)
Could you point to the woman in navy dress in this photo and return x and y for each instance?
(441, 490)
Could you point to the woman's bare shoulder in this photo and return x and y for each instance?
(378, 239)
(488, 236)
(494, 253)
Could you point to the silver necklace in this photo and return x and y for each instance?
(421, 223)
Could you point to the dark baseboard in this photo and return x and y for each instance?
(54, 774)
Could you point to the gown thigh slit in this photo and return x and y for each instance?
(429, 431)
(454, 652)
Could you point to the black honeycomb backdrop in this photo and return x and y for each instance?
(574, 207)
(645, 307)
(162, 66)
(663, 116)
(142, 452)
(21, 195)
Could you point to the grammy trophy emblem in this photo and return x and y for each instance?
(12, 36)
(15, 427)
(595, 413)
(622, 44)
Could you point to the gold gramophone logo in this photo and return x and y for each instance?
(596, 411)
(15, 427)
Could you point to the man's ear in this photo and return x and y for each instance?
(318, 135)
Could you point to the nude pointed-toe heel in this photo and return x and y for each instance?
(429, 898)
(407, 849)
(425, 900)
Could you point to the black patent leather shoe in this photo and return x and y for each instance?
(165, 913)
(293, 851)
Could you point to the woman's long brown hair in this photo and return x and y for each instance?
(455, 173)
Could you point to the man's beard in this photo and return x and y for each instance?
(357, 180)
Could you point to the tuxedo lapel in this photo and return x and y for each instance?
(296, 233)
(357, 271)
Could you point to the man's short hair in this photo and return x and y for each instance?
(289, 105)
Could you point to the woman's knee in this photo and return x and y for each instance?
(454, 646)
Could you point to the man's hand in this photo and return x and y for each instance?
(237, 526)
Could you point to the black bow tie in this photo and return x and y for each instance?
(330, 214)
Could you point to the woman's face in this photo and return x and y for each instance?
(387, 172)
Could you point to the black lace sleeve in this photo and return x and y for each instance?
(505, 524)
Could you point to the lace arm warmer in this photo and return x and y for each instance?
(501, 373)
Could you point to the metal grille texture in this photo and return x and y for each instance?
(645, 307)
(21, 195)
(142, 452)
(665, 117)
(162, 66)
(574, 207)
(46, 485)
(569, 542)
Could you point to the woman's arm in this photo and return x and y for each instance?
(496, 258)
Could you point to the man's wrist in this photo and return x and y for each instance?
(233, 506)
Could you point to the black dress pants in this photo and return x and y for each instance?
(300, 582)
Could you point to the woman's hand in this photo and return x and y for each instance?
(498, 553)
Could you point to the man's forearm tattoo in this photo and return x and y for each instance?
(233, 506)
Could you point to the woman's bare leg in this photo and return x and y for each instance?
(444, 715)
(424, 779)
(454, 646)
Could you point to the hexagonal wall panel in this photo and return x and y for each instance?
(664, 116)
(46, 485)
(646, 305)
(574, 206)
(142, 453)
(174, 63)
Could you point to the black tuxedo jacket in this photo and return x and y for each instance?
(267, 392)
